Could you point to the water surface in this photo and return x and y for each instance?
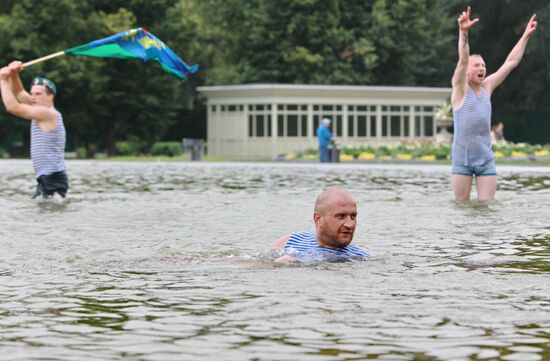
(168, 261)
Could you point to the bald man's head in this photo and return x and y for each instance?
(331, 196)
(335, 217)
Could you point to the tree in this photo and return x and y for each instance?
(29, 30)
(411, 39)
(331, 41)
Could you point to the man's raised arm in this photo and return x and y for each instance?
(18, 90)
(46, 117)
(459, 82)
(513, 59)
(8, 98)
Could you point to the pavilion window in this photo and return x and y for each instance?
(292, 120)
(338, 125)
(395, 126)
(260, 125)
(373, 126)
(428, 126)
(292, 126)
(280, 125)
(362, 126)
(259, 120)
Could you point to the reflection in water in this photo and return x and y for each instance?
(168, 261)
(525, 183)
(98, 314)
(535, 251)
(53, 204)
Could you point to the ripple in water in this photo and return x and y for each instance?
(165, 261)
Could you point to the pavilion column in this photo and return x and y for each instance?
(379, 123)
(274, 131)
(412, 122)
(345, 124)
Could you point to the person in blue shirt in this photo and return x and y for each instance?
(335, 218)
(325, 136)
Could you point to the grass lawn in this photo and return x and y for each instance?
(186, 158)
(157, 158)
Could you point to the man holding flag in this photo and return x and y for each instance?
(47, 128)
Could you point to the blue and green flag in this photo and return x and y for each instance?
(136, 43)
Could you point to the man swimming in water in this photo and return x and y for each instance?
(335, 217)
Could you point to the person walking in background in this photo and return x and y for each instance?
(498, 133)
(47, 129)
(325, 136)
(472, 153)
(493, 134)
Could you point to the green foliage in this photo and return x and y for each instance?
(383, 151)
(442, 151)
(373, 42)
(332, 42)
(80, 152)
(354, 152)
(170, 149)
(128, 148)
(411, 40)
(415, 149)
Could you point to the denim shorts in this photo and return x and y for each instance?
(487, 169)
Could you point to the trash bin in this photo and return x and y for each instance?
(333, 152)
(195, 146)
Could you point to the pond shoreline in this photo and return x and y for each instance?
(436, 166)
(500, 162)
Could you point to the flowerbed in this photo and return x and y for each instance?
(425, 151)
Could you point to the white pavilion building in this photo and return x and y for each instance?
(262, 121)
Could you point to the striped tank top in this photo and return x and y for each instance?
(472, 130)
(304, 246)
(48, 148)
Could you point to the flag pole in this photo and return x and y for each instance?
(44, 58)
